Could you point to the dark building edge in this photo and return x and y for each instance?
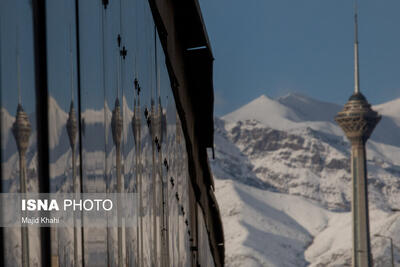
(41, 96)
(189, 61)
(1, 175)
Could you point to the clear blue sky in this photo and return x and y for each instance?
(274, 47)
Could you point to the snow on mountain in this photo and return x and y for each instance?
(7, 121)
(295, 111)
(266, 111)
(308, 162)
(309, 109)
(281, 115)
(60, 150)
(127, 117)
(283, 184)
(332, 246)
(391, 120)
(264, 228)
(391, 108)
(57, 121)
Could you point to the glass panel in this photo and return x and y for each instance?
(63, 123)
(18, 123)
(95, 120)
(131, 120)
(113, 40)
(145, 70)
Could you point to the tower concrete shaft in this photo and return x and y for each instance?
(358, 120)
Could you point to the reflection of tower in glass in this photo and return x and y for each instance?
(72, 130)
(136, 116)
(21, 130)
(160, 132)
(153, 130)
(358, 120)
(105, 108)
(116, 127)
(164, 178)
(160, 209)
(136, 130)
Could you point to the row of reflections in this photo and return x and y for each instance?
(125, 137)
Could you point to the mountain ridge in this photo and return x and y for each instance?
(303, 160)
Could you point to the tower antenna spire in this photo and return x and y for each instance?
(356, 65)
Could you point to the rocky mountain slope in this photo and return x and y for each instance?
(283, 183)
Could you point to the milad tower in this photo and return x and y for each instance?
(358, 120)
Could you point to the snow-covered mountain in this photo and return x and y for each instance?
(391, 108)
(282, 177)
(283, 183)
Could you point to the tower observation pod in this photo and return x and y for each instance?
(358, 120)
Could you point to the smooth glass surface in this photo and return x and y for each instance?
(18, 122)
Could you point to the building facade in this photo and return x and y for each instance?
(110, 97)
